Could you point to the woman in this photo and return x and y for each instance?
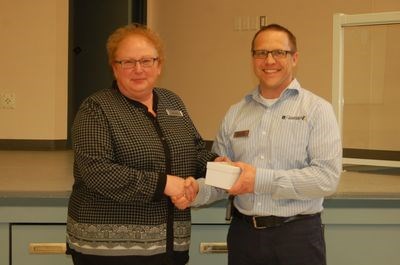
(134, 146)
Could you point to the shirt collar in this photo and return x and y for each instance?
(135, 103)
(292, 89)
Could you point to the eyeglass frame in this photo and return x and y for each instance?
(142, 62)
(276, 56)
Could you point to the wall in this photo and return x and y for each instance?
(208, 61)
(33, 68)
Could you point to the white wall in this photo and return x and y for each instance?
(208, 61)
(33, 67)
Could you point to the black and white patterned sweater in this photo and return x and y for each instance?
(122, 155)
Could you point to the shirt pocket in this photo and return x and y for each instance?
(290, 137)
(240, 146)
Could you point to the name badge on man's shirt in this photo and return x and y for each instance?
(174, 112)
(289, 117)
(241, 134)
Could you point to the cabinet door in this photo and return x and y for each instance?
(208, 244)
(39, 244)
(363, 244)
(4, 247)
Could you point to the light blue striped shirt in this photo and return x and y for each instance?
(295, 146)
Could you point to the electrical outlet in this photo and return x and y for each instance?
(8, 100)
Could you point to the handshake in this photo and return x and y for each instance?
(182, 191)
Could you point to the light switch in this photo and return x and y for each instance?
(237, 24)
(263, 21)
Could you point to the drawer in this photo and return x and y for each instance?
(208, 244)
(43, 244)
(38, 244)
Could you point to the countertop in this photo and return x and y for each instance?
(49, 174)
(36, 173)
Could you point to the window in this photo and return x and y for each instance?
(365, 87)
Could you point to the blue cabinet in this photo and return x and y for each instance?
(4, 243)
(357, 232)
(38, 244)
(362, 231)
(208, 244)
(32, 231)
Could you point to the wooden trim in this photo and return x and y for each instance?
(371, 154)
(11, 144)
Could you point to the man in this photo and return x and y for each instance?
(289, 145)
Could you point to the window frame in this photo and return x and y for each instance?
(340, 22)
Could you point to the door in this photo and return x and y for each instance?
(91, 22)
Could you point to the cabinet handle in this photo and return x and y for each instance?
(47, 248)
(213, 247)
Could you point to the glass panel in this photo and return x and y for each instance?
(371, 112)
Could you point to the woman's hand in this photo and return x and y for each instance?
(190, 193)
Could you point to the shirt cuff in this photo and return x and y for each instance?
(264, 181)
(203, 195)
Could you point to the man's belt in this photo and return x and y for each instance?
(261, 222)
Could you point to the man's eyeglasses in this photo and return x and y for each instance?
(131, 63)
(276, 54)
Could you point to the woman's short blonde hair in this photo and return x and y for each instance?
(133, 29)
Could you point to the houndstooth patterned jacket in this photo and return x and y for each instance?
(122, 156)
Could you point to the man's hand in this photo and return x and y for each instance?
(222, 159)
(246, 180)
(191, 189)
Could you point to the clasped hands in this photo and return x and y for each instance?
(184, 191)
